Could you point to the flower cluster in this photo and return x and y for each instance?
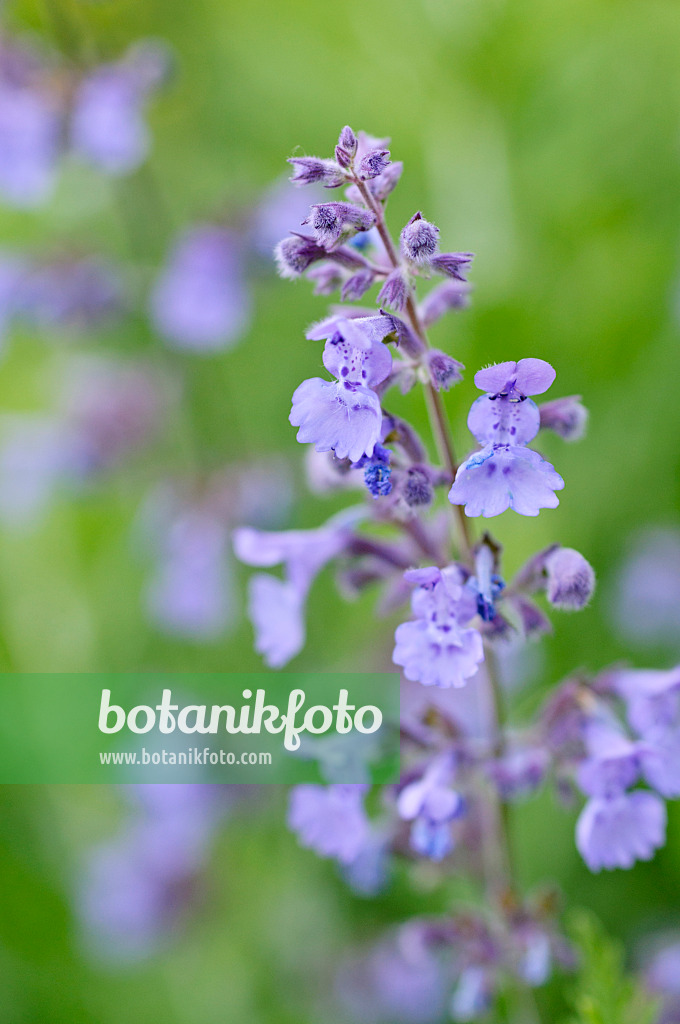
(460, 761)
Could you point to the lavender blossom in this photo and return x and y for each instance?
(30, 122)
(344, 415)
(437, 648)
(645, 601)
(330, 820)
(614, 833)
(431, 805)
(505, 473)
(108, 126)
(201, 301)
(190, 593)
(69, 295)
(276, 607)
(135, 887)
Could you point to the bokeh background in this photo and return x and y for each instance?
(543, 137)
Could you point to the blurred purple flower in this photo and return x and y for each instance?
(108, 126)
(69, 294)
(614, 833)
(276, 607)
(190, 593)
(201, 301)
(134, 888)
(330, 820)
(646, 601)
(29, 129)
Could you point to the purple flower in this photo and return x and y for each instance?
(296, 253)
(400, 981)
(437, 649)
(108, 127)
(330, 820)
(473, 994)
(431, 805)
(506, 474)
(134, 888)
(276, 607)
(646, 600)
(453, 264)
(519, 772)
(344, 415)
(614, 833)
(111, 409)
(29, 129)
(373, 163)
(201, 301)
(509, 476)
(652, 698)
(69, 294)
(395, 290)
(190, 593)
(612, 764)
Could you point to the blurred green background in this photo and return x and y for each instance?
(544, 137)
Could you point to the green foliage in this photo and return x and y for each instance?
(605, 993)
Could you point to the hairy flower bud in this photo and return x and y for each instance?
(294, 254)
(356, 285)
(311, 169)
(444, 370)
(567, 417)
(419, 240)
(570, 579)
(348, 140)
(374, 163)
(394, 291)
(453, 264)
(330, 221)
(417, 489)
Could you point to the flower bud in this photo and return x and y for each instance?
(348, 140)
(453, 264)
(374, 163)
(570, 581)
(444, 370)
(566, 416)
(311, 169)
(419, 240)
(394, 292)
